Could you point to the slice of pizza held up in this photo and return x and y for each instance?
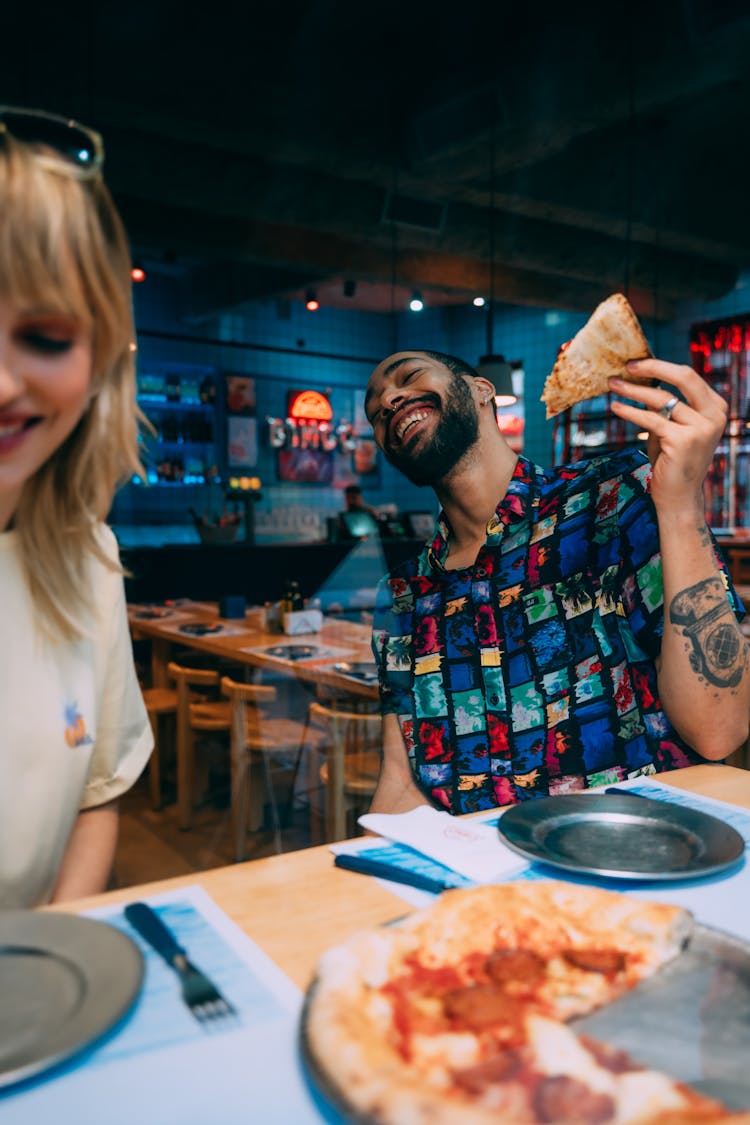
(584, 366)
(458, 1015)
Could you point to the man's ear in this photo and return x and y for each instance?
(486, 389)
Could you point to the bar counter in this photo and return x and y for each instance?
(341, 573)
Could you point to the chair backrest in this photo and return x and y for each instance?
(739, 564)
(354, 756)
(246, 701)
(185, 678)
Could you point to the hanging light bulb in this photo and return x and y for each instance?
(416, 304)
(137, 272)
(479, 302)
(312, 304)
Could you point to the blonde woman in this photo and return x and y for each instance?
(74, 734)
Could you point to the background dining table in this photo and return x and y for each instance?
(247, 640)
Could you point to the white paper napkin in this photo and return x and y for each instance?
(472, 849)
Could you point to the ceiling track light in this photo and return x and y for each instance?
(312, 304)
(416, 304)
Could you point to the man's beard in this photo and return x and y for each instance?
(456, 432)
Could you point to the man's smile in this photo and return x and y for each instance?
(406, 418)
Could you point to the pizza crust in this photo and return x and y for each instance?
(584, 366)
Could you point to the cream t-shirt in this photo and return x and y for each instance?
(74, 732)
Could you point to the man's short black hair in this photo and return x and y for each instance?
(352, 489)
(453, 363)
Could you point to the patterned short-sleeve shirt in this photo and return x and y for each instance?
(532, 671)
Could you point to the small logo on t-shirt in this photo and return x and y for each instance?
(75, 726)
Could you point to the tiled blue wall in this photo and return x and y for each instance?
(351, 343)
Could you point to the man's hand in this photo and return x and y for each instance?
(681, 442)
(397, 791)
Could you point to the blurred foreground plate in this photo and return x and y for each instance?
(64, 982)
(621, 836)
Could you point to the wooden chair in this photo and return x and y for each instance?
(161, 705)
(353, 754)
(739, 564)
(256, 737)
(195, 714)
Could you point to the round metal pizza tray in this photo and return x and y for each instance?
(65, 981)
(322, 1085)
(621, 836)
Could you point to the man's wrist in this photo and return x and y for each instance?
(683, 521)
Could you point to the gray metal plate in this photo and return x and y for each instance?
(621, 836)
(64, 982)
(691, 1019)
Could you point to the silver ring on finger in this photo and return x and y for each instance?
(668, 407)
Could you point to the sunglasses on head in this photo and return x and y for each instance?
(78, 146)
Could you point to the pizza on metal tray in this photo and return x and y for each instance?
(584, 366)
(458, 1015)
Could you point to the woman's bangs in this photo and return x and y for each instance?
(37, 246)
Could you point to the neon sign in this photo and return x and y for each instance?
(308, 406)
(309, 425)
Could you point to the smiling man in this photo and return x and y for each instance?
(527, 649)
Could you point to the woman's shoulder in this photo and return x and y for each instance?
(107, 543)
(104, 567)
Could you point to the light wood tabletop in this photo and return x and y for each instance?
(247, 641)
(297, 905)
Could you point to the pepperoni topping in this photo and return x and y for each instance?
(482, 1005)
(474, 1079)
(568, 1101)
(506, 965)
(596, 960)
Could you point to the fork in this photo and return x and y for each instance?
(199, 993)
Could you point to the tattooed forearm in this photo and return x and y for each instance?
(706, 618)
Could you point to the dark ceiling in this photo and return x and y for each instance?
(256, 151)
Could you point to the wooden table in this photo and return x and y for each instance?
(297, 905)
(164, 633)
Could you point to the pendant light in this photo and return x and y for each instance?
(491, 366)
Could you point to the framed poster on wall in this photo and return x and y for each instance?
(240, 394)
(242, 441)
(305, 466)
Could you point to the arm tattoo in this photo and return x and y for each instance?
(707, 620)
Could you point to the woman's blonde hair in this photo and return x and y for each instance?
(62, 246)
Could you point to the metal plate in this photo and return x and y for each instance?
(293, 652)
(319, 1078)
(366, 672)
(691, 1019)
(64, 982)
(621, 836)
